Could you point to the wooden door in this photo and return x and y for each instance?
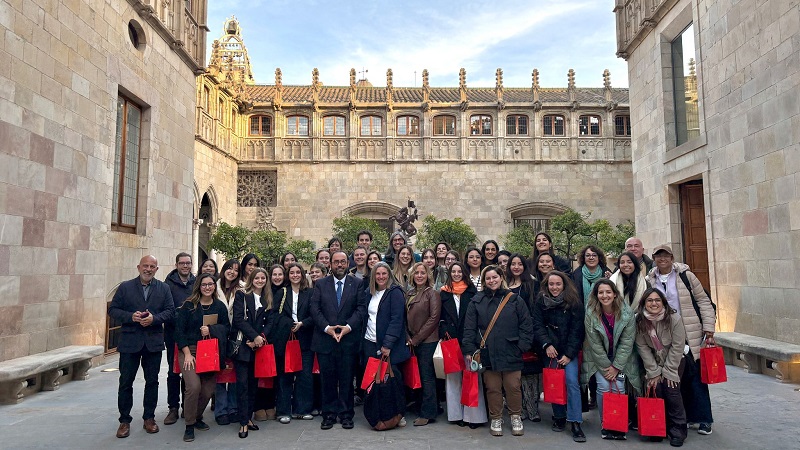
(693, 215)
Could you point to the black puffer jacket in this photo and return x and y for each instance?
(511, 335)
(560, 326)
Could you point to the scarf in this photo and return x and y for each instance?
(552, 302)
(588, 281)
(651, 329)
(458, 287)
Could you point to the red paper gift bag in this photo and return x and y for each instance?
(712, 365)
(469, 389)
(293, 359)
(651, 415)
(227, 374)
(371, 370)
(207, 359)
(266, 383)
(452, 356)
(554, 384)
(176, 365)
(615, 410)
(411, 373)
(315, 367)
(265, 362)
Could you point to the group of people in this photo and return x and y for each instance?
(634, 329)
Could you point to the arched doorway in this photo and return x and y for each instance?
(204, 232)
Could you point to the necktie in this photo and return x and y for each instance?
(339, 293)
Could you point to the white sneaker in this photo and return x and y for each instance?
(496, 428)
(516, 426)
(402, 422)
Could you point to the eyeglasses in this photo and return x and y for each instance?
(450, 259)
(184, 263)
(208, 285)
(589, 256)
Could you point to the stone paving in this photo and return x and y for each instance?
(751, 411)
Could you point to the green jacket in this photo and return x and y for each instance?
(595, 348)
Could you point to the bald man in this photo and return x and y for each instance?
(140, 306)
(634, 245)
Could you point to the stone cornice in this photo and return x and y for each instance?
(635, 20)
(149, 15)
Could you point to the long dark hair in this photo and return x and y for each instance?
(486, 261)
(526, 280)
(642, 324)
(228, 288)
(214, 263)
(630, 282)
(535, 266)
(303, 279)
(447, 246)
(536, 252)
(464, 276)
(570, 293)
(243, 265)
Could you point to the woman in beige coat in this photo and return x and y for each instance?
(699, 319)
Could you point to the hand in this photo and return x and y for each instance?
(563, 361)
(137, 316)
(204, 331)
(250, 344)
(653, 382)
(343, 331)
(551, 352)
(672, 384)
(332, 332)
(385, 351)
(297, 326)
(147, 321)
(468, 359)
(610, 373)
(188, 362)
(259, 341)
(607, 274)
(710, 339)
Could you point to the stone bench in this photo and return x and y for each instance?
(760, 355)
(44, 371)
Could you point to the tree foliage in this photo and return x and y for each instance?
(571, 231)
(455, 232)
(347, 228)
(236, 241)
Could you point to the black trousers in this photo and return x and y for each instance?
(175, 385)
(673, 405)
(246, 386)
(128, 367)
(336, 372)
(429, 406)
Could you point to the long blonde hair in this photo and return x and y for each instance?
(266, 292)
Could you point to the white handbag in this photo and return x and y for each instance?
(438, 361)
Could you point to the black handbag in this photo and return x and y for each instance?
(385, 400)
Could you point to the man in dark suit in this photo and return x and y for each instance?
(142, 305)
(337, 308)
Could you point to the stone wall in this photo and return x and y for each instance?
(748, 154)
(311, 195)
(63, 66)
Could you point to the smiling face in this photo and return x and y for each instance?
(336, 246)
(474, 259)
(339, 265)
(259, 281)
(542, 243)
(502, 261)
(295, 275)
(208, 267)
(626, 265)
(232, 273)
(381, 278)
(654, 304)
(405, 257)
(450, 258)
(634, 245)
(606, 296)
(456, 274)
(441, 251)
(555, 285)
(663, 261)
(364, 240)
(277, 276)
(208, 287)
(325, 258)
(398, 242)
(148, 266)
(360, 256)
(184, 266)
(545, 263)
(289, 259)
(252, 264)
(516, 267)
(372, 260)
(492, 279)
(591, 259)
(315, 273)
(490, 251)
(420, 276)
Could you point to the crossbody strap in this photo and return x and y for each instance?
(494, 318)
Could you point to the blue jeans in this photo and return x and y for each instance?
(572, 410)
(225, 394)
(604, 386)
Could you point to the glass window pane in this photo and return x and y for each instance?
(684, 76)
(522, 125)
(451, 126)
(365, 124)
(594, 123)
(130, 182)
(376, 126)
(327, 126)
(402, 129)
(117, 159)
(414, 128)
(559, 126)
(291, 126)
(548, 125)
(339, 126)
(303, 128)
(255, 129)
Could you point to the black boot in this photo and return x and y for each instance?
(559, 424)
(188, 435)
(577, 433)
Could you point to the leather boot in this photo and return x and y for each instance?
(172, 416)
(577, 433)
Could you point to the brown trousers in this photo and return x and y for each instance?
(199, 389)
(495, 382)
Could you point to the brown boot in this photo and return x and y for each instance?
(271, 415)
(260, 415)
(172, 416)
(150, 426)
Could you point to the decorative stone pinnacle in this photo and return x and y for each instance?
(607, 79)
(571, 79)
(278, 77)
(352, 78)
(425, 78)
(535, 77)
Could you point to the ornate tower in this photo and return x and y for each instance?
(229, 58)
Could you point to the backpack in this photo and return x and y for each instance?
(685, 279)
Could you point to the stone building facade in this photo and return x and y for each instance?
(97, 107)
(724, 191)
(494, 156)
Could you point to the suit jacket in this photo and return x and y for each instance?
(128, 299)
(325, 312)
(252, 326)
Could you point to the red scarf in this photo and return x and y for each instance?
(458, 287)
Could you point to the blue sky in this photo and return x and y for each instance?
(441, 36)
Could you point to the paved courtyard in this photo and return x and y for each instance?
(751, 411)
